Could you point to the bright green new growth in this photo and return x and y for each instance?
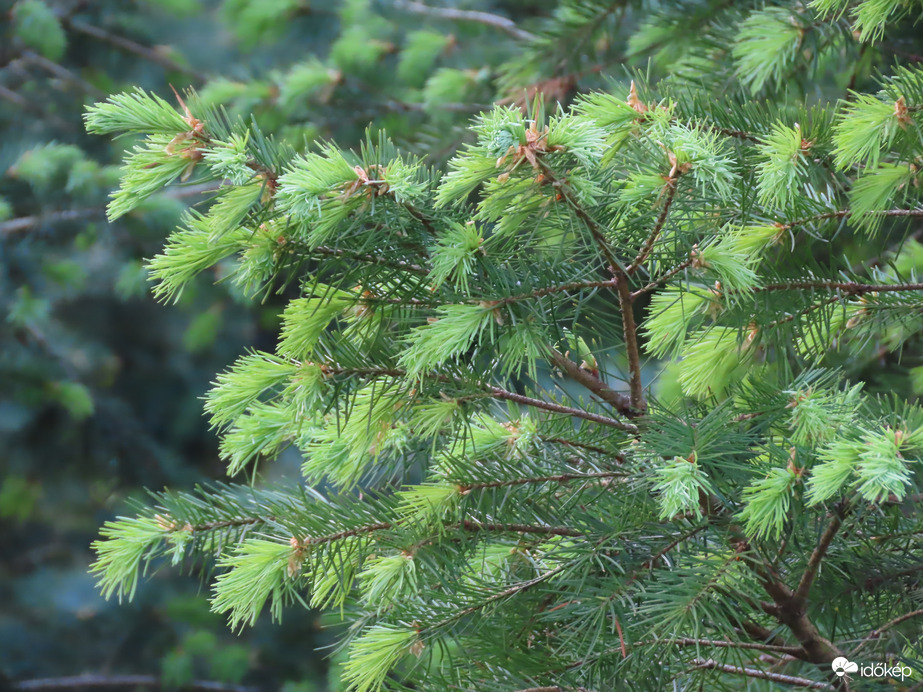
(589, 408)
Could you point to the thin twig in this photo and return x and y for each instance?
(562, 288)
(496, 21)
(648, 246)
(582, 445)
(851, 287)
(666, 277)
(840, 213)
(761, 674)
(499, 393)
(560, 478)
(810, 572)
(133, 47)
(725, 644)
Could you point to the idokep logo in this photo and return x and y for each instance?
(841, 666)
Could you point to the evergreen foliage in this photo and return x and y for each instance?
(595, 405)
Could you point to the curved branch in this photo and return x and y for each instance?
(875, 633)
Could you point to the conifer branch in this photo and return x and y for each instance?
(452, 14)
(761, 674)
(872, 583)
(811, 308)
(62, 73)
(495, 392)
(471, 525)
(466, 525)
(620, 274)
(222, 524)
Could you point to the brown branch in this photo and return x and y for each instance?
(467, 525)
(24, 223)
(582, 445)
(560, 478)
(501, 23)
(499, 393)
(619, 401)
(127, 681)
(630, 331)
(851, 287)
(710, 664)
(221, 524)
(650, 564)
(471, 525)
(790, 611)
(562, 288)
(666, 277)
(725, 644)
(648, 246)
(802, 313)
(133, 47)
(875, 633)
(736, 134)
(620, 274)
(810, 572)
(840, 213)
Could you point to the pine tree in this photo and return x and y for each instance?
(619, 397)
